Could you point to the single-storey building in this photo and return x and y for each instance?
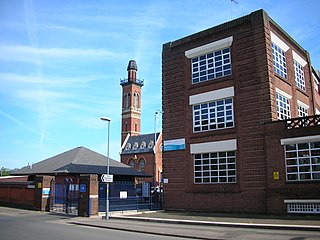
(63, 173)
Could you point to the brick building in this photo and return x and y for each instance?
(239, 129)
(67, 181)
(140, 151)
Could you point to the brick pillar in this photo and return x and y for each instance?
(42, 193)
(88, 195)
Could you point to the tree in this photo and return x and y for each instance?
(4, 172)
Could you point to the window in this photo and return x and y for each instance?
(303, 161)
(283, 107)
(131, 163)
(136, 101)
(128, 146)
(299, 75)
(212, 65)
(151, 144)
(213, 115)
(135, 145)
(303, 206)
(279, 61)
(302, 110)
(143, 145)
(215, 167)
(316, 85)
(142, 165)
(127, 99)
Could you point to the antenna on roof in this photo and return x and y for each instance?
(235, 2)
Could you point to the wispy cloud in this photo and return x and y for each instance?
(49, 81)
(27, 53)
(24, 126)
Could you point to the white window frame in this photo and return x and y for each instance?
(302, 158)
(215, 168)
(283, 104)
(210, 98)
(279, 49)
(209, 157)
(302, 109)
(299, 76)
(211, 61)
(316, 83)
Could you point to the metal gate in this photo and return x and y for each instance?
(65, 197)
(124, 196)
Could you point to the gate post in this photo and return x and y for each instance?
(88, 203)
(42, 193)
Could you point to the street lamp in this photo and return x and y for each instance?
(108, 166)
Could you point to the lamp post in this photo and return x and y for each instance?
(155, 149)
(108, 167)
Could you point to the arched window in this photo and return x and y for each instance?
(127, 100)
(136, 100)
(142, 165)
(138, 103)
(135, 127)
(143, 145)
(135, 145)
(128, 146)
(131, 163)
(126, 127)
(151, 144)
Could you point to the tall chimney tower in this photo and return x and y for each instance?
(131, 102)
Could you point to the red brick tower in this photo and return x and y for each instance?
(131, 102)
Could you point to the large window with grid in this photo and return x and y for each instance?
(302, 110)
(299, 76)
(213, 115)
(283, 107)
(279, 60)
(215, 167)
(212, 65)
(303, 161)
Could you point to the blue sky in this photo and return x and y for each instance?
(61, 62)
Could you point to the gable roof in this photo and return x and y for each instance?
(143, 143)
(79, 160)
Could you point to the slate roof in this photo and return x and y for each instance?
(143, 143)
(79, 160)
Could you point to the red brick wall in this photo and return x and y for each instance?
(149, 163)
(288, 84)
(280, 190)
(17, 195)
(254, 104)
(130, 116)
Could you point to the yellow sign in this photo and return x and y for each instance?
(276, 175)
(39, 185)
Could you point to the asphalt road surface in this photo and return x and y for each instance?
(18, 224)
(28, 225)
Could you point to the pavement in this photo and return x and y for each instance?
(165, 223)
(196, 225)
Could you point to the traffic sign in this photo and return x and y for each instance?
(107, 178)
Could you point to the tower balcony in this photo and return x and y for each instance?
(136, 81)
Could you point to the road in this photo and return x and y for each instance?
(28, 225)
(18, 224)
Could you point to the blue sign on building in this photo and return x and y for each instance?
(83, 188)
